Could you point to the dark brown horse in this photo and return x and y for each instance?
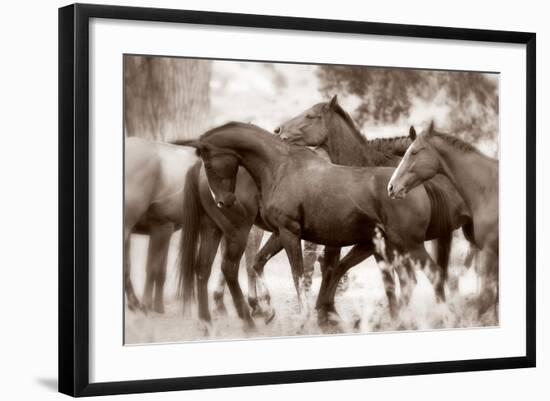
(303, 196)
(207, 223)
(328, 126)
(475, 176)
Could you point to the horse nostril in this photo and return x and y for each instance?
(390, 187)
(277, 130)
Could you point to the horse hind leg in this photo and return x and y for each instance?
(210, 236)
(157, 256)
(333, 270)
(489, 297)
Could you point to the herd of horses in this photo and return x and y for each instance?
(316, 178)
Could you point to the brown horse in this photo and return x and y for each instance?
(304, 196)
(475, 176)
(209, 222)
(328, 126)
(156, 177)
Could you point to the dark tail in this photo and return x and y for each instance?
(440, 226)
(192, 210)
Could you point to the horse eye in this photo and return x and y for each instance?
(310, 116)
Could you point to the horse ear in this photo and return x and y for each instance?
(334, 102)
(412, 133)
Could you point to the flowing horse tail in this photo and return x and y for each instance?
(440, 226)
(189, 240)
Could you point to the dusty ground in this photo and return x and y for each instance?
(362, 307)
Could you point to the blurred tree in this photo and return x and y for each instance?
(388, 95)
(166, 98)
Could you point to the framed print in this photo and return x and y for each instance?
(250, 199)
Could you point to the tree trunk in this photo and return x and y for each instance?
(166, 98)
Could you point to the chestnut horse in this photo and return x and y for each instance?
(475, 176)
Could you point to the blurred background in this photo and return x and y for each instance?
(178, 98)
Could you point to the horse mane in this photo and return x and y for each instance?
(359, 153)
(394, 145)
(349, 121)
(455, 142)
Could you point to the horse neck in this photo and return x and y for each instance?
(343, 145)
(260, 154)
(469, 171)
(346, 148)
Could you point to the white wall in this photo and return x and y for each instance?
(28, 159)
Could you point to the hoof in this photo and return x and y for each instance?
(208, 329)
(249, 327)
(158, 308)
(269, 315)
(257, 311)
(329, 321)
(135, 306)
(220, 306)
(220, 309)
(333, 318)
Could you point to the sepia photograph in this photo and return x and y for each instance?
(274, 199)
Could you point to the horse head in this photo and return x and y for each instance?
(221, 166)
(420, 163)
(309, 128)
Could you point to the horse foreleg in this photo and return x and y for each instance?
(432, 270)
(270, 248)
(210, 236)
(293, 247)
(310, 256)
(157, 255)
(233, 251)
(254, 240)
(131, 298)
(218, 295)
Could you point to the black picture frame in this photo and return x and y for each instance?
(74, 198)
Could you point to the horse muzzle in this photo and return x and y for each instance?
(396, 192)
(226, 201)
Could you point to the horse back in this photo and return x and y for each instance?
(155, 174)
